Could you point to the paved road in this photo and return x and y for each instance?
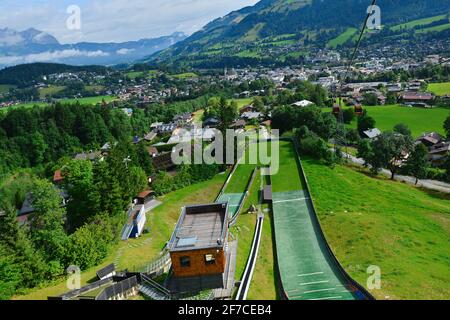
(427, 184)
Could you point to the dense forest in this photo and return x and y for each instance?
(37, 141)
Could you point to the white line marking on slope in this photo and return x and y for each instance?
(309, 274)
(316, 282)
(327, 298)
(320, 290)
(290, 200)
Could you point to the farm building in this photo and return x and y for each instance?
(199, 250)
(417, 99)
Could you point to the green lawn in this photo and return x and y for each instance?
(439, 89)
(419, 120)
(373, 221)
(161, 222)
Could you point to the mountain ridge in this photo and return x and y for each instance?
(33, 45)
(301, 22)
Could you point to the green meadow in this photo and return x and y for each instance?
(418, 22)
(439, 89)
(419, 120)
(87, 100)
(342, 38)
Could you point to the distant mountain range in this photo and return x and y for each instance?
(257, 32)
(36, 46)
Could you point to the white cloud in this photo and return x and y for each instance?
(50, 56)
(116, 20)
(124, 51)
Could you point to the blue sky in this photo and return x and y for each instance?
(115, 20)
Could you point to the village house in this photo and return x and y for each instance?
(439, 153)
(372, 133)
(183, 119)
(417, 99)
(211, 123)
(251, 115)
(429, 139)
(247, 108)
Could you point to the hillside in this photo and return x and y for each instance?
(257, 33)
(25, 74)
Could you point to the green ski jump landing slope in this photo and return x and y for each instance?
(307, 269)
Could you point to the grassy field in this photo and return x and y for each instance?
(342, 38)
(4, 88)
(439, 89)
(418, 120)
(88, 100)
(419, 22)
(49, 91)
(135, 74)
(137, 252)
(438, 28)
(185, 75)
(373, 221)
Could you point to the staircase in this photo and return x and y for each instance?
(152, 293)
(153, 290)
